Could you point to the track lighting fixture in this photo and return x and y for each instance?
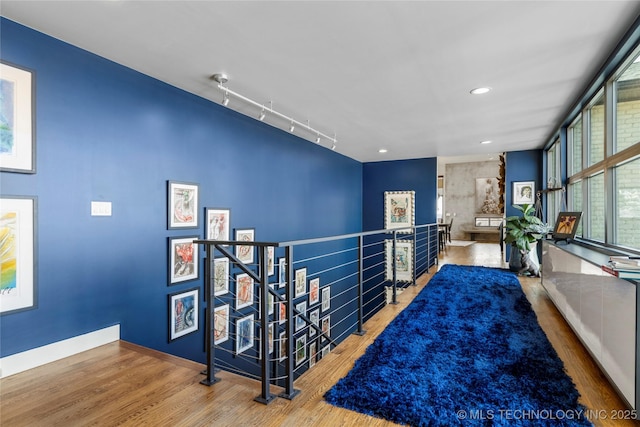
(222, 78)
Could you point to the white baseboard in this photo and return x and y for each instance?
(33, 358)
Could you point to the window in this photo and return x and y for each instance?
(596, 129)
(604, 161)
(554, 180)
(628, 107)
(627, 204)
(575, 142)
(595, 209)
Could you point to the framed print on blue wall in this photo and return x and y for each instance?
(17, 119)
(218, 221)
(182, 205)
(524, 192)
(17, 254)
(399, 210)
(183, 313)
(245, 253)
(183, 259)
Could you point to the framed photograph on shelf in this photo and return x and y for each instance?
(403, 260)
(17, 119)
(183, 313)
(244, 334)
(220, 276)
(218, 221)
(566, 225)
(524, 192)
(221, 324)
(182, 205)
(399, 210)
(244, 291)
(183, 259)
(245, 253)
(301, 282)
(18, 255)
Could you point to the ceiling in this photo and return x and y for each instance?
(377, 74)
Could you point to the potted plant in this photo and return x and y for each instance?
(522, 233)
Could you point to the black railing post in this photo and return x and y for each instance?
(265, 397)
(289, 391)
(395, 269)
(360, 331)
(210, 341)
(415, 251)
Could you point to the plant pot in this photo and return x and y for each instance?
(524, 263)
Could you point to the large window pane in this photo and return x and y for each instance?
(553, 181)
(575, 142)
(628, 107)
(575, 193)
(596, 207)
(627, 187)
(596, 130)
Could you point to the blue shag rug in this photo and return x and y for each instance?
(467, 351)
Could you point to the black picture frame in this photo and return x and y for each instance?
(566, 225)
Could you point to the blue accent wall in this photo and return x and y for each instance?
(108, 133)
(419, 175)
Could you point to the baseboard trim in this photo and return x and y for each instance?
(33, 358)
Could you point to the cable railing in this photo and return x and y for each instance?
(273, 318)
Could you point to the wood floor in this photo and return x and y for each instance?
(123, 384)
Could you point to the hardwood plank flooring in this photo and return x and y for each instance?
(124, 384)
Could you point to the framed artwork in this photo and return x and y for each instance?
(326, 298)
(566, 225)
(482, 222)
(18, 255)
(244, 334)
(182, 205)
(17, 119)
(283, 346)
(404, 260)
(301, 349)
(271, 260)
(183, 259)
(183, 313)
(495, 222)
(282, 272)
(524, 192)
(325, 351)
(221, 276)
(487, 196)
(302, 308)
(245, 253)
(272, 330)
(221, 324)
(399, 210)
(326, 326)
(301, 282)
(313, 354)
(217, 224)
(314, 316)
(314, 291)
(244, 291)
(282, 312)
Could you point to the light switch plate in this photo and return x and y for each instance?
(100, 208)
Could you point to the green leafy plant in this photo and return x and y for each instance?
(522, 231)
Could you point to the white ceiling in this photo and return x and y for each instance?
(378, 74)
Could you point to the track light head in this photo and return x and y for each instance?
(262, 115)
(292, 127)
(225, 100)
(318, 139)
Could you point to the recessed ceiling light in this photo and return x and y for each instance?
(485, 142)
(480, 90)
(382, 150)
